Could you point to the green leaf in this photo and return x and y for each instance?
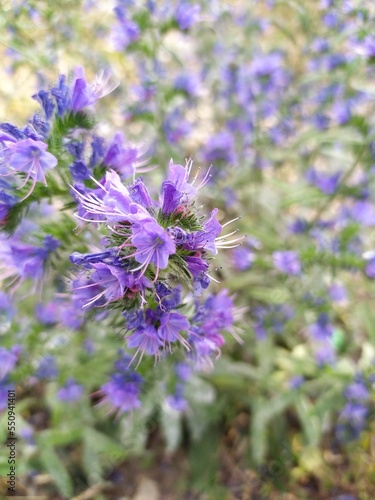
(59, 437)
(329, 401)
(234, 369)
(263, 410)
(54, 466)
(311, 424)
(100, 454)
(368, 317)
(203, 463)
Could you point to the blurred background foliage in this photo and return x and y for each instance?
(279, 97)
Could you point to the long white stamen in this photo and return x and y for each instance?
(230, 221)
(226, 235)
(99, 184)
(213, 279)
(98, 296)
(223, 246)
(206, 178)
(189, 165)
(229, 242)
(196, 176)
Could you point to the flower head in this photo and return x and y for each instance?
(31, 157)
(288, 262)
(70, 392)
(8, 360)
(122, 391)
(153, 244)
(83, 94)
(121, 158)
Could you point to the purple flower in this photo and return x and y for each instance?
(80, 171)
(97, 151)
(71, 391)
(210, 318)
(296, 381)
(357, 391)
(31, 157)
(183, 371)
(320, 121)
(364, 213)
(47, 368)
(83, 94)
(153, 244)
(196, 265)
(366, 47)
(370, 266)
(125, 31)
(354, 415)
(325, 353)
(187, 15)
(122, 391)
(8, 360)
(331, 20)
(288, 262)
(177, 401)
(171, 197)
(112, 202)
(76, 149)
(61, 95)
(205, 239)
(121, 158)
(87, 259)
(10, 133)
(6, 306)
(27, 434)
(71, 316)
(4, 388)
(6, 203)
(341, 112)
(176, 127)
(108, 282)
(243, 258)
(48, 314)
(171, 326)
(328, 184)
(187, 82)
(118, 204)
(219, 310)
(338, 292)
(140, 195)
(220, 147)
(298, 226)
(45, 100)
(28, 261)
(113, 279)
(146, 339)
(179, 176)
(322, 329)
(89, 346)
(87, 293)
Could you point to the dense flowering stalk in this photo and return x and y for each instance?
(151, 267)
(152, 244)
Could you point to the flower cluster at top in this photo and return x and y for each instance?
(153, 264)
(24, 158)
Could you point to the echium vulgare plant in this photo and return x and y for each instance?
(144, 263)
